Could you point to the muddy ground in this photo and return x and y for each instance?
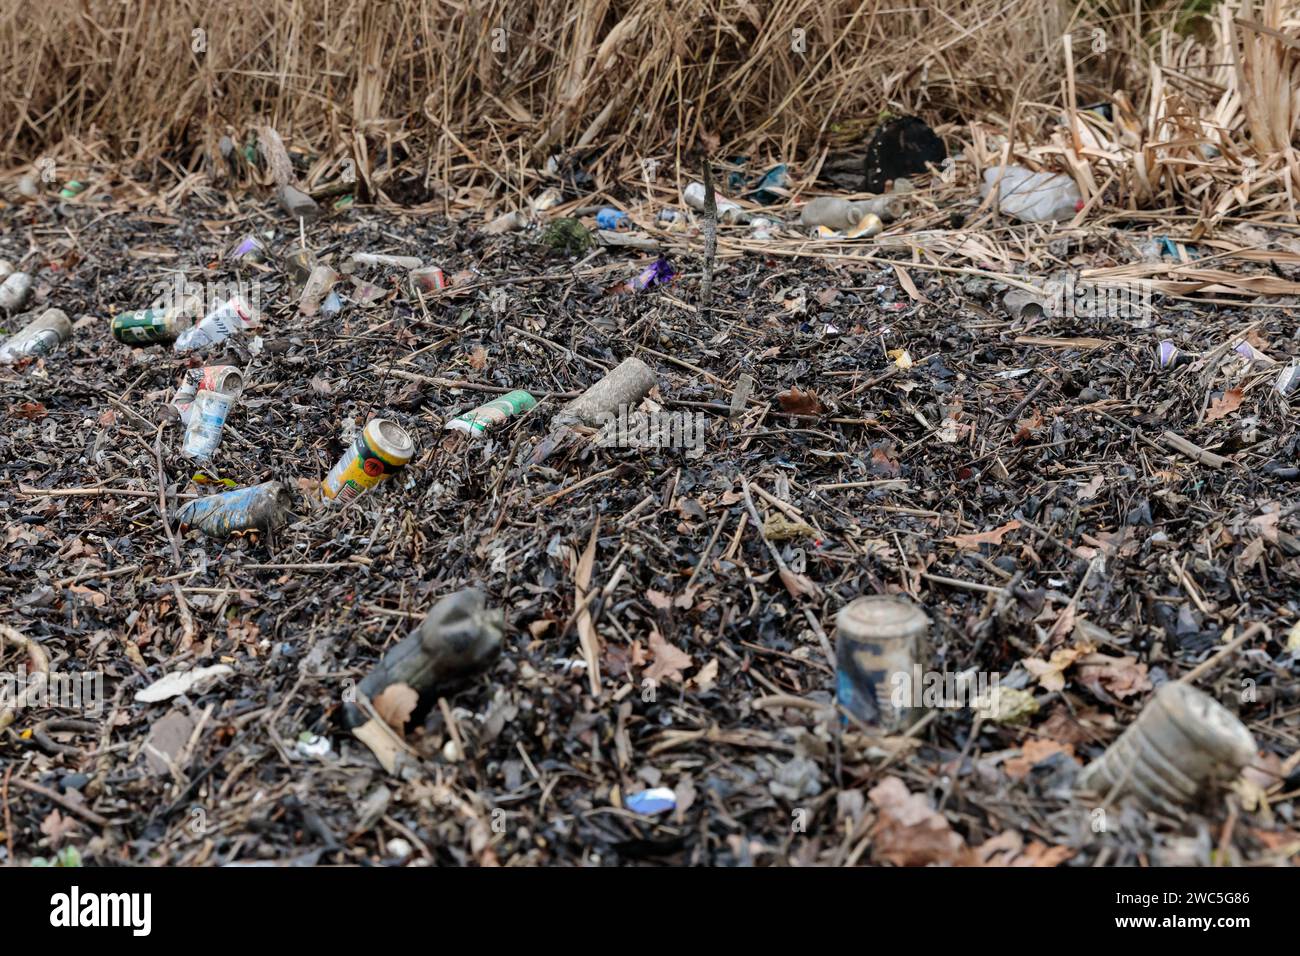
(1014, 481)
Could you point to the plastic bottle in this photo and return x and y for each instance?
(207, 420)
(625, 385)
(1183, 743)
(1033, 197)
(259, 508)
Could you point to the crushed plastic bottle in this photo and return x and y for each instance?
(1033, 197)
(1183, 743)
(206, 423)
(318, 285)
(232, 317)
(258, 508)
(841, 215)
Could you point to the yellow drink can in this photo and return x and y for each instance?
(381, 449)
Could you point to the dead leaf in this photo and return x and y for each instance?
(908, 832)
(972, 542)
(669, 662)
(32, 411)
(478, 358)
(1008, 849)
(1051, 672)
(705, 679)
(798, 402)
(1119, 676)
(56, 826)
(1032, 753)
(395, 704)
(1225, 405)
(1089, 491)
(777, 527)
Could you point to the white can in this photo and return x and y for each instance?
(207, 419)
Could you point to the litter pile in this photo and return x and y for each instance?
(749, 522)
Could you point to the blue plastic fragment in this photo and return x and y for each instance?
(650, 802)
(610, 218)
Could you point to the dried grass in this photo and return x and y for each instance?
(481, 95)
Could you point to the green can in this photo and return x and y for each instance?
(479, 420)
(151, 326)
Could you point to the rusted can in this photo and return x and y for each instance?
(380, 450)
(207, 419)
(38, 337)
(259, 508)
(880, 639)
(488, 416)
(150, 326)
(430, 278)
(214, 378)
(1183, 743)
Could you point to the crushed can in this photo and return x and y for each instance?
(231, 317)
(207, 420)
(380, 450)
(259, 508)
(38, 337)
(480, 419)
(880, 640)
(213, 378)
(1182, 744)
(155, 325)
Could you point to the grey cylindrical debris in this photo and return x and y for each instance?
(296, 202)
(38, 337)
(628, 383)
(1183, 743)
(833, 212)
(879, 640)
(14, 291)
(457, 639)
